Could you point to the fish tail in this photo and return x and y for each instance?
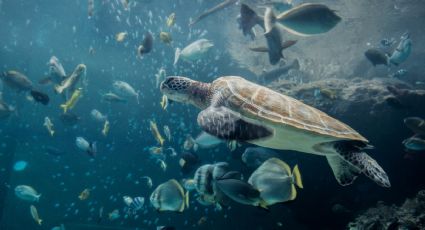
(177, 55)
(64, 107)
(39, 221)
(297, 177)
(58, 89)
(293, 192)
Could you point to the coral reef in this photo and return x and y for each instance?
(410, 215)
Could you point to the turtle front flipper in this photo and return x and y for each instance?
(227, 124)
(364, 163)
(344, 172)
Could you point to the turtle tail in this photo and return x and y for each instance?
(363, 162)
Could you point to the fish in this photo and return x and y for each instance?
(171, 20)
(70, 82)
(112, 97)
(125, 4)
(399, 73)
(115, 214)
(205, 140)
(248, 19)
(416, 124)
(189, 143)
(98, 116)
(49, 126)
(56, 72)
(40, 97)
(106, 128)
(164, 102)
(146, 46)
(170, 196)
(162, 164)
(89, 148)
(20, 166)
(165, 228)
(27, 193)
(165, 37)
(308, 19)
(415, 143)
(188, 161)
(173, 152)
(377, 57)
(213, 10)
(16, 81)
(279, 71)
(206, 175)
(90, 8)
(120, 37)
(69, 118)
(167, 133)
(156, 133)
(149, 182)
(85, 194)
(70, 104)
(124, 89)
(403, 50)
(193, 51)
(61, 227)
(35, 216)
(275, 181)
(5, 109)
(156, 152)
(189, 184)
(273, 37)
(241, 192)
(253, 157)
(160, 76)
(133, 205)
(202, 221)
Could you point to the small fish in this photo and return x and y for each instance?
(156, 133)
(171, 20)
(170, 196)
(194, 51)
(399, 73)
(188, 161)
(202, 220)
(115, 214)
(98, 116)
(105, 129)
(165, 37)
(160, 76)
(125, 4)
(40, 97)
(167, 133)
(27, 193)
(61, 227)
(149, 182)
(156, 152)
(84, 195)
(69, 118)
(133, 205)
(189, 184)
(146, 46)
(49, 126)
(100, 216)
(70, 82)
(127, 200)
(89, 148)
(90, 8)
(70, 104)
(5, 109)
(162, 164)
(34, 214)
(415, 124)
(112, 97)
(20, 166)
(120, 37)
(124, 89)
(403, 50)
(164, 102)
(16, 81)
(56, 70)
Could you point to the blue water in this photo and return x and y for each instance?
(33, 31)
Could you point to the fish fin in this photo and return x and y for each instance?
(177, 55)
(186, 200)
(297, 177)
(293, 192)
(64, 107)
(38, 197)
(58, 89)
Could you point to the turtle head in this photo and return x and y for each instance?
(186, 90)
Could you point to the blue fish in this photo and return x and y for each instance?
(20, 166)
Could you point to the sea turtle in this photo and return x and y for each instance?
(236, 109)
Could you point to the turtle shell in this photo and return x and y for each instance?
(265, 105)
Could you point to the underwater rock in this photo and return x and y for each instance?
(410, 215)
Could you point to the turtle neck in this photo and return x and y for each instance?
(200, 94)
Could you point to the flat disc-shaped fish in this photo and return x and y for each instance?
(169, 196)
(240, 191)
(40, 97)
(146, 45)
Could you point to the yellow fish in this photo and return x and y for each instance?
(106, 127)
(119, 37)
(34, 214)
(165, 37)
(156, 133)
(84, 195)
(49, 125)
(164, 102)
(72, 101)
(171, 20)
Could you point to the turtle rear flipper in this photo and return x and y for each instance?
(363, 162)
(226, 124)
(343, 171)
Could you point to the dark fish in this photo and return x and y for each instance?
(188, 161)
(376, 57)
(248, 19)
(212, 11)
(40, 97)
(147, 45)
(416, 124)
(276, 73)
(273, 37)
(69, 118)
(308, 19)
(16, 80)
(240, 192)
(254, 156)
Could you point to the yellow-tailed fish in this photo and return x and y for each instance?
(105, 129)
(120, 37)
(34, 214)
(165, 37)
(171, 20)
(156, 133)
(72, 101)
(164, 102)
(49, 125)
(84, 195)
